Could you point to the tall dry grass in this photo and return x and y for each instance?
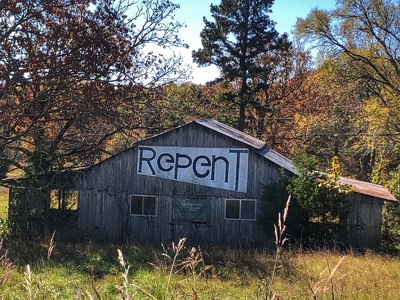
(94, 271)
(3, 202)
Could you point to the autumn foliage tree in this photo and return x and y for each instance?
(325, 114)
(362, 38)
(76, 72)
(271, 115)
(178, 104)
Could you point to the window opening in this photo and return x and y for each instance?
(240, 209)
(143, 205)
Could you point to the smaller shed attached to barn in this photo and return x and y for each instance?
(364, 220)
(202, 181)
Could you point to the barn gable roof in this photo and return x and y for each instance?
(258, 145)
(361, 187)
(232, 133)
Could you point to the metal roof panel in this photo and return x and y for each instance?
(367, 188)
(251, 141)
(232, 132)
(279, 159)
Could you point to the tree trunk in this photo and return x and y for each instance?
(242, 116)
(242, 105)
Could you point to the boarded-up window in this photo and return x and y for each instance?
(143, 205)
(240, 209)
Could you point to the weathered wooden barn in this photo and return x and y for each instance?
(201, 181)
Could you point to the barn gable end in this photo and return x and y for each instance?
(182, 209)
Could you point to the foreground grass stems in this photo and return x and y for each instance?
(76, 271)
(189, 265)
(28, 281)
(6, 265)
(125, 274)
(280, 240)
(329, 284)
(125, 287)
(323, 285)
(51, 246)
(176, 250)
(92, 281)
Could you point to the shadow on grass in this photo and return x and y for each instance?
(89, 257)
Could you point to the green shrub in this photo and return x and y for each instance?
(391, 228)
(318, 203)
(273, 201)
(5, 228)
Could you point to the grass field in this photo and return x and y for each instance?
(3, 202)
(96, 271)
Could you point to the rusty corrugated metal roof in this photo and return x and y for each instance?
(367, 188)
(359, 186)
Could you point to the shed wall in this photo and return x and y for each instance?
(364, 222)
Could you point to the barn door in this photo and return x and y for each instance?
(191, 220)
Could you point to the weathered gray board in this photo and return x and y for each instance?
(364, 222)
(183, 209)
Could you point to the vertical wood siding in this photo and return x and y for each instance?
(104, 190)
(364, 222)
(104, 195)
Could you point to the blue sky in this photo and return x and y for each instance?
(191, 12)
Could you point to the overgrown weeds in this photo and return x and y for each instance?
(325, 284)
(6, 264)
(280, 240)
(98, 271)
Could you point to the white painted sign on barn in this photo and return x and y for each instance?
(224, 168)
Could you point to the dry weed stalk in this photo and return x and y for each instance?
(280, 240)
(93, 286)
(126, 267)
(176, 249)
(28, 281)
(125, 288)
(193, 265)
(324, 285)
(89, 295)
(51, 246)
(6, 265)
(190, 263)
